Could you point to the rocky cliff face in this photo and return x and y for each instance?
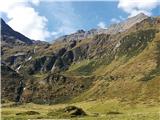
(12, 84)
(83, 62)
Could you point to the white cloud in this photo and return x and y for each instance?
(134, 7)
(121, 18)
(115, 20)
(101, 25)
(68, 20)
(35, 2)
(24, 19)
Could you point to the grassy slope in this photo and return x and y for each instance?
(128, 86)
(136, 79)
(101, 109)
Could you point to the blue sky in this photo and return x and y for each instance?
(48, 20)
(87, 14)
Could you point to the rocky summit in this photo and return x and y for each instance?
(121, 62)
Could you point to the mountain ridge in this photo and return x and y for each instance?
(93, 67)
(10, 35)
(6, 30)
(112, 29)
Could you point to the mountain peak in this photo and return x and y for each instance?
(142, 14)
(128, 23)
(139, 16)
(80, 31)
(2, 21)
(10, 35)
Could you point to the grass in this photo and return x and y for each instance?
(40, 75)
(84, 67)
(134, 43)
(132, 94)
(96, 110)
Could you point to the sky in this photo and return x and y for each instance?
(49, 19)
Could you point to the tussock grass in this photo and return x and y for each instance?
(99, 109)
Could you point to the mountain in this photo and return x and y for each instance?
(11, 83)
(88, 65)
(11, 36)
(79, 35)
(113, 29)
(123, 26)
(15, 47)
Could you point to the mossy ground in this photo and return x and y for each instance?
(96, 110)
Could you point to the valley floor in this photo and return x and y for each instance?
(96, 110)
